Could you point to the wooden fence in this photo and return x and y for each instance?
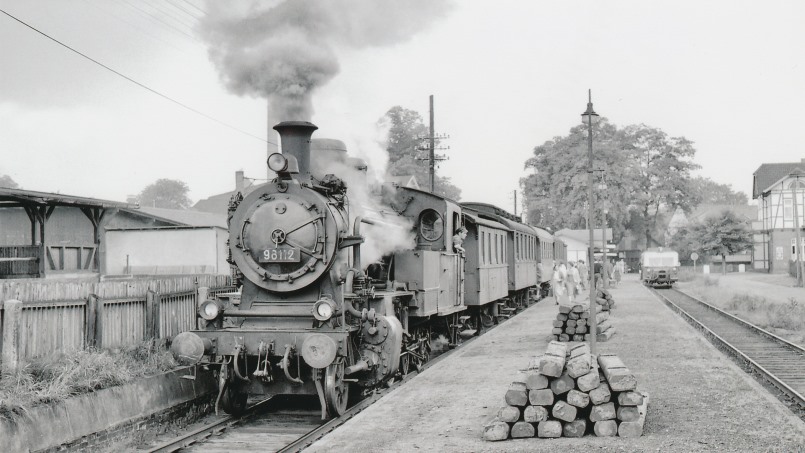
(38, 318)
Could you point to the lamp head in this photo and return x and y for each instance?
(589, 115)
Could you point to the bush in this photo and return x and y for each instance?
(790, 316)
(746, 302)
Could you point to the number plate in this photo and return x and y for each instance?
(280, 255)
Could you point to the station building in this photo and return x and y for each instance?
(779, 189)
(51, 235)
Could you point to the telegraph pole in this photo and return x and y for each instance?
(515, 203)
(431, 148)
(432, 151)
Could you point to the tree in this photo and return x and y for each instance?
(722, 235)
(684, 243)
(662, 167)
(7, 182)
(165, 193)
(557, 192)
(707, 191)
(646, 173)
(404, 140)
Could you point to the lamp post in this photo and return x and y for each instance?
(602, 189)
(589, 117)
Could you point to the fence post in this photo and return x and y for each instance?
(201, 296)
(12, 333)
(150, 315)
(94, 322)
(156, 302)
(90, 314)
(98, 321)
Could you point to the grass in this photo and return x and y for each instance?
(55, 378)
(783, 318)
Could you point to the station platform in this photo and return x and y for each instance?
(699, 399)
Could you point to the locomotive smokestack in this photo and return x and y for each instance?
(295, 141)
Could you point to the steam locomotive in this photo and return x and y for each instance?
(314, 319)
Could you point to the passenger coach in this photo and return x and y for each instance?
(520, 250)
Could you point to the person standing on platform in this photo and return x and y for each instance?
(617, 272)
(597, 280)
(607, 272)
(584, 275)
(573, 280)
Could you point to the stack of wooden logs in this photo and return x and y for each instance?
(604, 299)
(574, 324)
(567, 392)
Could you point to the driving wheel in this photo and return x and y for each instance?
(336, 391)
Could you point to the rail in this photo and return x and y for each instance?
(279, 442)
(777, 360)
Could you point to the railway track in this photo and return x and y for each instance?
(776, 360)
(279, 424)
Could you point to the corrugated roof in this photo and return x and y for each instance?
(769, 174)
(15, 196)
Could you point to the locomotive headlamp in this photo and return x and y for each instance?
(324, 309)
(210, 309)
(277, 162)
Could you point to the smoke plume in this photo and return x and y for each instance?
(283, 50)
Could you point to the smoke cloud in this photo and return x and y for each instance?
(365, 189)
(283, 50)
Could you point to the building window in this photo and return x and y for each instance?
(788, 209)
(794, 248)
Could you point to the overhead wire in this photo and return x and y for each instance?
(194, 6)
(171, 14)
(141, 85)
(185, 10)
(159, 19)
(135, 26)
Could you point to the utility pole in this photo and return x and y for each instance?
(432, 151)
(431, 148)
(798, 247)
(515, 203)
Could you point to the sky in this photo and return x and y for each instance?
(505, 75)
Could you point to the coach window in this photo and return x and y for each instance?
(431, 225)
(494, 248)
(488, 248)
(481, 255)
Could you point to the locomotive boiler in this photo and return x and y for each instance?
(308, 320)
